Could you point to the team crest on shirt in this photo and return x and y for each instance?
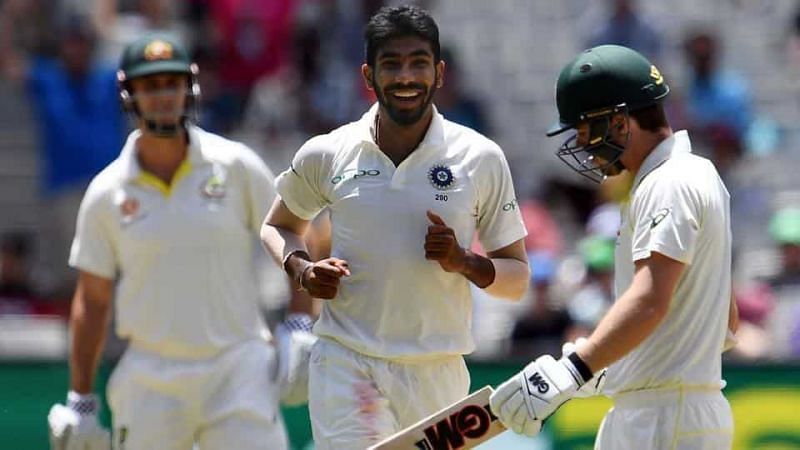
(214, 187)
(130, 209)
(441, 177)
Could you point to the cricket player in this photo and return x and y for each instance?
(662, 340)
(168, 231)
(406, 190)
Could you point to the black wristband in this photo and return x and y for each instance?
(300, 253)
(583, 370)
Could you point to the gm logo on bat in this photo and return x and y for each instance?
(471, 422)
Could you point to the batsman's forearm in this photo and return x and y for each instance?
(88, 327)
(510, 279)
(631, 319)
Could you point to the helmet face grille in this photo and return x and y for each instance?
(600, 158)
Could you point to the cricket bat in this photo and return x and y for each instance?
(462, 425)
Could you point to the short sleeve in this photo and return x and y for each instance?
(93, 246)
(499, 219)
(666, 219)
(260, 187)
(300, 186)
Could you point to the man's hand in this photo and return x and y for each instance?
(528, 398)
(321, 279)
(75, 426)
(441, 245)
(294, 341)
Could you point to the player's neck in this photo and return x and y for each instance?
(645, 144)
(398, 141)
(161, 156)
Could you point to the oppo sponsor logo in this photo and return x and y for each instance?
(355, 174)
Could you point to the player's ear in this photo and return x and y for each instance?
(367, 74)
(440, 66)
(620, 123)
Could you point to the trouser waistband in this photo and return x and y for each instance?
(665, 396)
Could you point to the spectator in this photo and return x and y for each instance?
(18, 289)
(26, 25)
(217, 110)
(15, 255)
(756, 304)
(715, 97)
(784, 325)
(253, 41)
(80, 123)
(793, 41)
(544, 234)
(725, 148)
(625, 26)
(309, 96)
(770, 308)
(784, 228)
(118, 26)
(453, 101)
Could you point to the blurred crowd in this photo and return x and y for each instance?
(273, 73)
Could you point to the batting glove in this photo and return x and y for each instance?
(75, 426)
(592, 387)
(294, 340)
(527, 399)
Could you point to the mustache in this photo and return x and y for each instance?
(400, 87)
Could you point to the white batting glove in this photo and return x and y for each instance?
(294, 340)
(528, 398)
(75, 426)
(592, 387)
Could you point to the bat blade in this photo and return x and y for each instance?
(462, 425)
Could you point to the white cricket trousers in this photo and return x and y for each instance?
(682, 418)
(228, 401)
(357, 400)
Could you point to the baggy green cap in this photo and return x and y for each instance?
(155, 53)
(604, 77)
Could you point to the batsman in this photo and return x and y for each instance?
(663, 338)
(167, 234)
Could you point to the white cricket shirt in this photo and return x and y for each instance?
(679, 207)
(396, 304)
(182, 255)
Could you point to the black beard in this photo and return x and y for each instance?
(403, 117)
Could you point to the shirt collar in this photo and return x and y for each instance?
(131, 168)
(434, 137)
(677, 143)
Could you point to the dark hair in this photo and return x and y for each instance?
(651, 118)
(400, 21)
